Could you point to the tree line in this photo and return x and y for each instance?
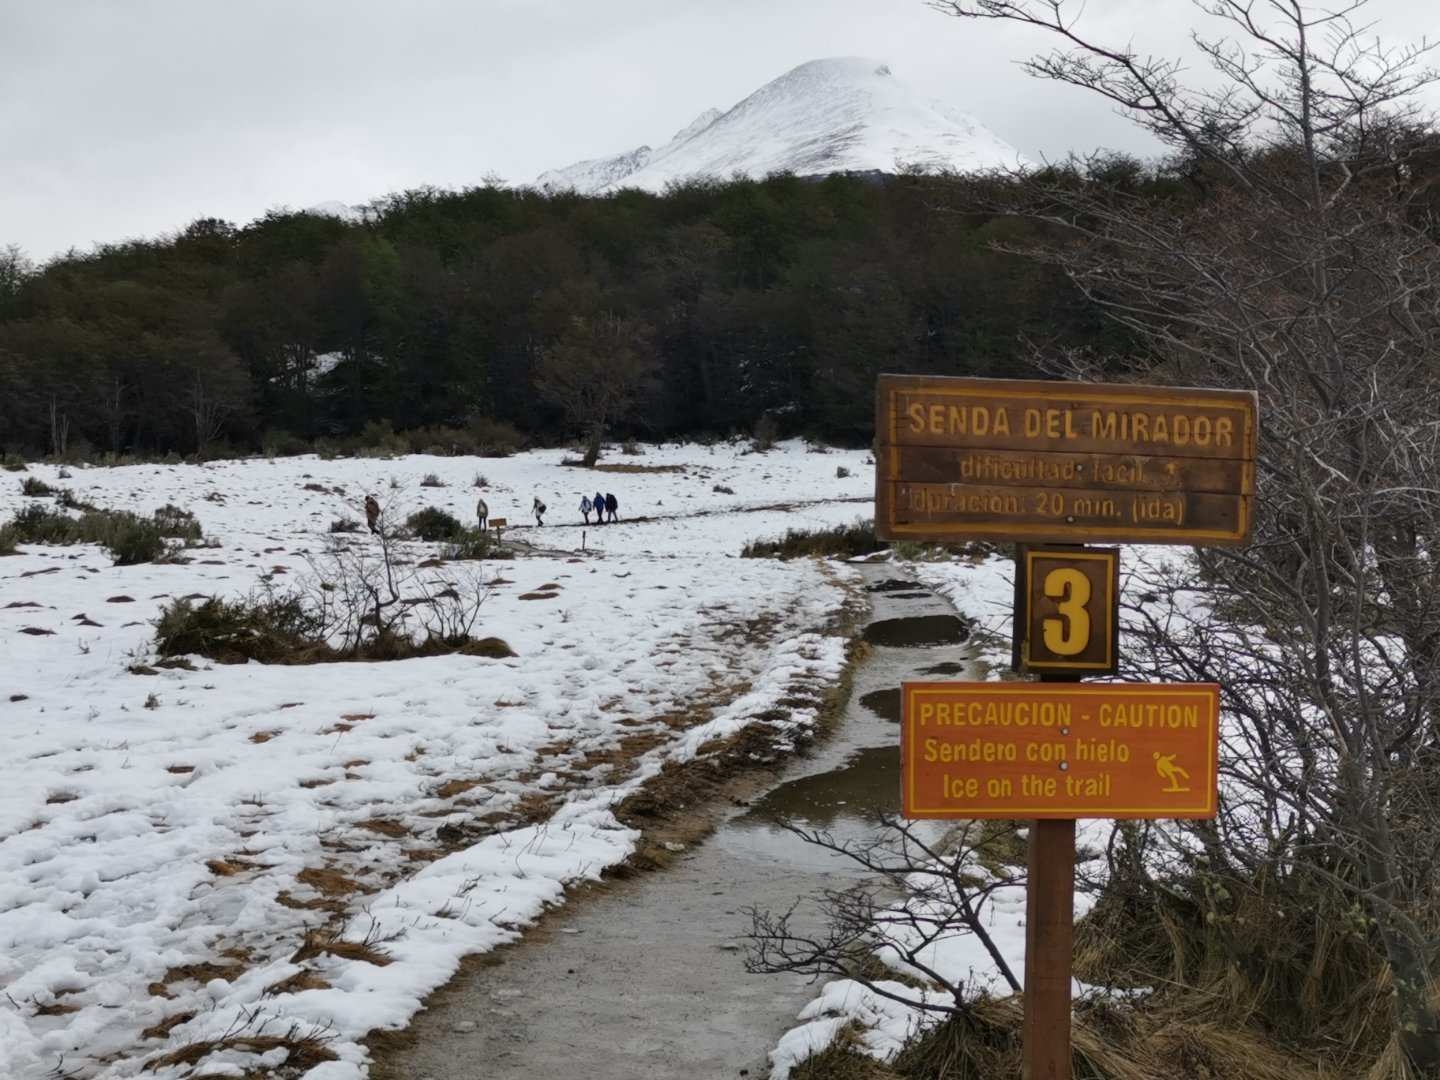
(489, 309)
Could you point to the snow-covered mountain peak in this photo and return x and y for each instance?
(841, 114)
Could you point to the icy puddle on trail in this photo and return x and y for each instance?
(644, 978)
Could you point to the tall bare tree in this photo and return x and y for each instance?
(1303, 263)
(595, 370)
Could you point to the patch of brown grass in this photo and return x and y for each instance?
(385, 827)
(304, 1052)
(164, 1027)
(490, 648)
(200, 973)
(451, 788)
(625, 468)
(329, 882)
(300, 981)
(316, 903)
(232, 866)
(266, 736)
(329, 943)
(55, 1008)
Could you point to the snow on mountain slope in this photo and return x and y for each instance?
(594, 174)
(846, 114)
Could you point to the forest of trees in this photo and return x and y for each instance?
(470, 311)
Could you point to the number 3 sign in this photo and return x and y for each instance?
(1065, 619)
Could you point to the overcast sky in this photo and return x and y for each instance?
(122, 118)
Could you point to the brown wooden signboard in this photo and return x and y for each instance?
(1054, 461)
(1056, 750)
(1067, 611)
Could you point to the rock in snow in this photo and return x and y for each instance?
(839, 115)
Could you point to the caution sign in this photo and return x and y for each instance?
(1050, 750)
(1065, 462)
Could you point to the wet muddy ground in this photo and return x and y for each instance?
(644, 978)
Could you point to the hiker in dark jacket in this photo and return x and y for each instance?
(599, 509)
(372, 514)
(539, 509)
(585, 507)
(611, 505)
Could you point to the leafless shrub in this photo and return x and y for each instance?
(917, 891)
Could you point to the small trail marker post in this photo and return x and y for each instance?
(1071, 464)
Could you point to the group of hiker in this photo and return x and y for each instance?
(603, 506)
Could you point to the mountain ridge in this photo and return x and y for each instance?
(841, 114)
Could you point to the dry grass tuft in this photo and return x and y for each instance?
(329, 882)
(164, 1027)
(385, 827)
(232, 866)
(451, 788)
(305, 1052)
(329, 943)
(300, 981)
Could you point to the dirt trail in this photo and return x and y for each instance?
(644, 978)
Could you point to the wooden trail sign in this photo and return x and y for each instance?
(1057, 461)
(1067, 607)
(1058, 750)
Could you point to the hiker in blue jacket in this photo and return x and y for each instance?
(599, 504)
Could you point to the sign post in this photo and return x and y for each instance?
(1071, 464)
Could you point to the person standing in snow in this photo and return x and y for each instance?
(611, 505)
(585, 507)
(538, 508)
(372, 514)
(599, 504)
(482, 511)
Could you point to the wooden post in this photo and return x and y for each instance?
(1049, 939)
(1049, 920)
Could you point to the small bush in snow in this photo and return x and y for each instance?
(480, 481)
(268, 628)
(34, 487)
(13, 463)
(434, 525)
(841, 473)
(68, 500)
(432, 480)
(846, 540)
(174, 521)
(344, 525)
(475, 544)
(131, 540)
(9, 539)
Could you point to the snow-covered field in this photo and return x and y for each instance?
(199, 868)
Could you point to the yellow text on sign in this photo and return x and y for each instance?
(1047, 750)
(1067, 634)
